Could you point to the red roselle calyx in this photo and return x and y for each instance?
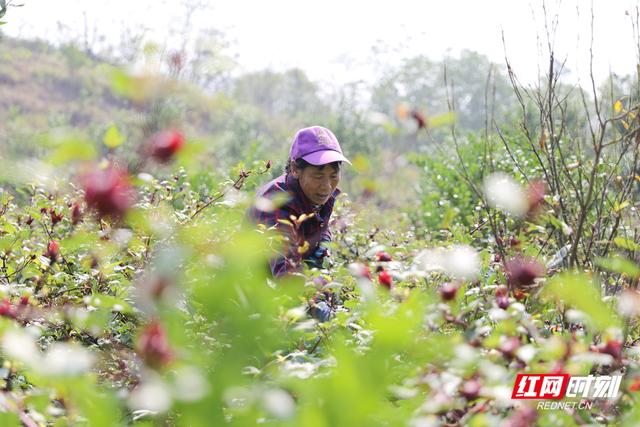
(76, 213)
(470, 389)
(522, 271)
(164, 145)
(502, 302)
(535, 195)
(7, 310)
(502, 297)
(501, 291)
(55, 217)
(366, 272)
(384, 278)
(509, 347)
(612, 347)
(53, 251)
(383, 257)
(108, 192)
(448, 291)
(419, 118)
(153, 345)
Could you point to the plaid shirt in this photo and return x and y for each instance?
(313, 230)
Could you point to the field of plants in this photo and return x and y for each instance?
(486, 229)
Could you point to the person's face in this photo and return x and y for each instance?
(317, 182)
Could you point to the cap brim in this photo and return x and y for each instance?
(323, 157)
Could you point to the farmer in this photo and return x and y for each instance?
(311, 180)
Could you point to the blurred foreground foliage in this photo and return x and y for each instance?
(162, 312)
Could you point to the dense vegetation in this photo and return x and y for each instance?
(484, 231)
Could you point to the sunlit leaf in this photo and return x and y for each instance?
(73, 149)
(617, 106)
(112, 137)
(442, 120)
(617, 207)
(579, 291)
(361, 164)
(621, 265)
(623, 243)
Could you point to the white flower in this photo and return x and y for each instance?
(190, 384)
(462, 262)
(21, 346)
(66, 359)
(526, 353)
(234, 197)
(629, 303)
(146, 177)
(504, 193)
(278, 403)
(264, 205)
(430, 260)
(152, 395)
(122, 236)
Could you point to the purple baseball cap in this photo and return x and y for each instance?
(317, 145)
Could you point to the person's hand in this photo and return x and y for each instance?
(320, 311)
(317, 258)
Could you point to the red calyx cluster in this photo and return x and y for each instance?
(12, 311)
(612, 347)
(165, 144)
(524, 416)
(419, 118)
(383, 257)
(385, 279)
(53, 251)
(509, 346)
(535, 195)
(502, 297)
(153, 345)
(76, 213)
(108, 192)
(522, 271)
(448, 291)
(7, 309)
(55, 217)
(366, 272)
(471, 389)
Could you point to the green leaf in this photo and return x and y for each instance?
(9, 418)
(73, 149)
(621, 265)
(361, 164)
(6, 242)
(579, 291)
(618, 207)
(623, 243)
(122, 83)
(112, 137)
(80, 240)
(617, 106)
(442, 119)
(109, 302)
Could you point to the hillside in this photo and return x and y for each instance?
(45, 88)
